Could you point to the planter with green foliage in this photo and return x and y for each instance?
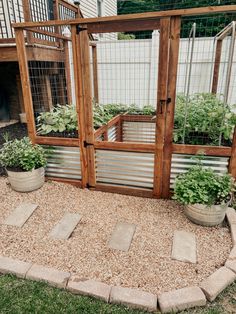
(24, 163)
(205, 194)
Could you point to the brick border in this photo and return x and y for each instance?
(175, 300)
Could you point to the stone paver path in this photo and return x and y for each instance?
(20, 215)
(184, 247)
(66, 226)
(122, 236)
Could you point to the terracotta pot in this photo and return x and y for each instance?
(206, 215)
(26, 181)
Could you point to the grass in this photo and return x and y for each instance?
(18, 296)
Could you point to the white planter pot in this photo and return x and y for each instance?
(204, 215)
(26, 181)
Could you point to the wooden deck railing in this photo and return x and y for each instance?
(31, 10)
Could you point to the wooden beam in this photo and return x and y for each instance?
(126, 146)
(133, 17)
(79, 104)
(216, 66)
(161, 105)
(25, 81)
(73, 182)
(125, 26)
(27, 18)
(232, 163)
(57, 141)
(95, 74)
(175, 28)
(83, 38)
(123, 190)
(220, 151)
(46, 92)
(47, 33)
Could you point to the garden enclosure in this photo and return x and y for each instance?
(120, 147)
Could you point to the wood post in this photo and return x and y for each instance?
(95, 74)
(232, 163)
(162, 102)
(172, 79)
(68, 72)
(216, 66)
(83, 38)
(79, 104)
(27, 18)
(25, 82)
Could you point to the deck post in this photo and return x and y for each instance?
(25, 82)
(162, 102)
(95, 73)
(175, 27)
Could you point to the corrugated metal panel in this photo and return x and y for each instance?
(181, 163)
(112, 134)
(141, 132)
(125, 168)
(63, 162)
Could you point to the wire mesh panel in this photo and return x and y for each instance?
(52, 90)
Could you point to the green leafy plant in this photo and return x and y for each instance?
(62, 118)
(22, 155)
(207, 117)
(201, 185)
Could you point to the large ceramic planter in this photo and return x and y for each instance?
(205, 215)
(26, 181)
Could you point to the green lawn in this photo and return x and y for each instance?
(22, 296)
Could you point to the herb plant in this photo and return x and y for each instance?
(201, 185)
(22, 155)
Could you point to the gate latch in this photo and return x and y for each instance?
(86, 144)
(80, 29)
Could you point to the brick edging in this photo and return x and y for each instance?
(175, 300)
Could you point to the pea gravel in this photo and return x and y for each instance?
(148, 263)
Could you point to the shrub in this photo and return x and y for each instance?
(22, 155)
(201, 185)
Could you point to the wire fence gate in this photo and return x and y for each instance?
(130, 153)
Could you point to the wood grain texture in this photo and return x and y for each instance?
(216, 67)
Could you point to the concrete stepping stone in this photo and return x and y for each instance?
(65, 227)
(13, 266)
(122, 236)
(184, 247)
(20, 215)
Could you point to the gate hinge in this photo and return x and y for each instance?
(80, 29)
(168, 100)
(86, 144)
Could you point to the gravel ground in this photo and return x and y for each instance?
(147, 265)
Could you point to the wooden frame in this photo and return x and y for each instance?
(169, 23)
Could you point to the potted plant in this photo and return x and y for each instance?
(24, 163)
(205, 194)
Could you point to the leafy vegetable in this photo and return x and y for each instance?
(207, 118)
(22, 155)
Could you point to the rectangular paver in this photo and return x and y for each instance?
(122, 236)
(20, 215)
(184, 247)
(66, 226)
(217, 282)
(231, 265)
(181, 299)
(231, 215)
(232, 254)
(52, 276)
(13, 266)
(134, 298)
(91, 288)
